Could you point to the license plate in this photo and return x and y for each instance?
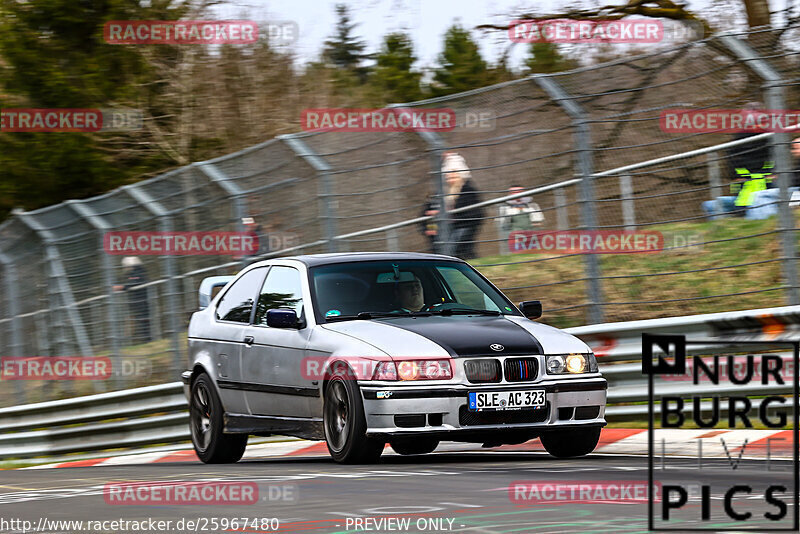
(505, 400)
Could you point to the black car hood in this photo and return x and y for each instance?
(471, 335)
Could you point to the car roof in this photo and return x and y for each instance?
(313, 260)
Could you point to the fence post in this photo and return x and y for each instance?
(562, 215)
(172, 306)
(435, 144)
(436, 147)
(392, 242)
(60, 293)
(585, 169)
(714, 175)
(16, 347)
(628, 209)
(325, 189)
(101, 226)
(502, 238)
(775, 99)
(236, 193)
(58, 276)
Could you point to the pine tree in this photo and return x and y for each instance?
(393, 77)
(54, 56)
(545, 58)
(462, 67)
(343, 50)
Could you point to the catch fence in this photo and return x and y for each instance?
(586, 145)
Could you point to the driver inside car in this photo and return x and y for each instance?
(410, 296)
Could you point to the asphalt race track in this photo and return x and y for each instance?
(441, 492)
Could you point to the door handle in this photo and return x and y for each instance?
(248, 340)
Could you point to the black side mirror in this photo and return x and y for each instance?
(282, 318)
(532, 309)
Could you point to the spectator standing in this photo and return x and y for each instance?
(134, 275)
(461, 192)
(520, 213)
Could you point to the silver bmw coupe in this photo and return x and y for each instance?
(364, 349)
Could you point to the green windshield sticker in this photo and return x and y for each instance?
(508, 309)
(332, 313)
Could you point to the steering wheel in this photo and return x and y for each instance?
(439, 306)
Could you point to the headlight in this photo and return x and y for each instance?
(576, 363)
(414, 370)
(555, 365)
(571, 364)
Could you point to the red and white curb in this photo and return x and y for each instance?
(753, 444)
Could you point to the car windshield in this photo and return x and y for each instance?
(389, 288)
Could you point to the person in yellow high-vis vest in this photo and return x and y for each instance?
(753, 182)
(753, 168)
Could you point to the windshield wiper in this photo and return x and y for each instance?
(466, 311)
(376, 315)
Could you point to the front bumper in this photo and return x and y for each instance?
(442, 410)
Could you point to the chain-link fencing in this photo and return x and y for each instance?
(588, 147)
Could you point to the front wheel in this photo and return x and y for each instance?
(571, 443)
(205, 419)
(345, 424)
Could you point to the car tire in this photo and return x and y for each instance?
(571, 443)
(211, 444)
(345, 424)
(411, 446)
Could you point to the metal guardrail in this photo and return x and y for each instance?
(158, 414)
(127, 418)
(613, 342)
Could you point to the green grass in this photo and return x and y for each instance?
(722, 249)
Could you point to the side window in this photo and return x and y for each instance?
(237, 303)
(282, 289)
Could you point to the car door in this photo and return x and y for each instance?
(232, 318)
(274, 361)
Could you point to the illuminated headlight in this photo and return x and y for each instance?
(571, 364)
(576, 363)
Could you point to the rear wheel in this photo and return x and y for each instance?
(410, 446)
(205, 419)
(345, 424)
(571, 443)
